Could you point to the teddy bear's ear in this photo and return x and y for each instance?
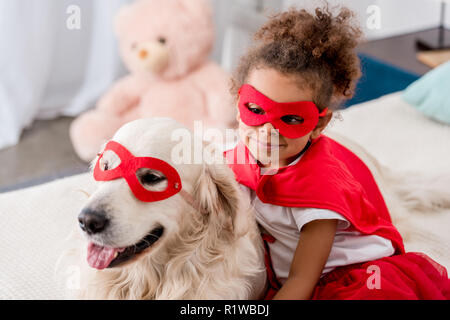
(122, 18)
(196, 8)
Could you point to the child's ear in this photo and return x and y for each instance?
(323, 122)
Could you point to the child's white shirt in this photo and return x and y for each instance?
(285, 223)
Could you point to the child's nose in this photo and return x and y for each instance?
(267, 128)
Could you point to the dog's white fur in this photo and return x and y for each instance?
(213, 254)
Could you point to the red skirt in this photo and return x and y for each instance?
(408, 276)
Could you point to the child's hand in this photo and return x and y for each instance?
(313, 249)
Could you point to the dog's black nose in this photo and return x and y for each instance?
(92, 221)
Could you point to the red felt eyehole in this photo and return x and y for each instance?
(109, 160)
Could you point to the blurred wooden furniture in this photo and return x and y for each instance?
(439, 41)
(434, 58)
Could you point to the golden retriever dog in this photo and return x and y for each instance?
(203, 244)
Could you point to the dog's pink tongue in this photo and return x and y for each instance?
(99, 257)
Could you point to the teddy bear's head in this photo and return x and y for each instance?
(167, 38)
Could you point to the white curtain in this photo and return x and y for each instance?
(49, 67)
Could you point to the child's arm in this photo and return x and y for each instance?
(313, 249)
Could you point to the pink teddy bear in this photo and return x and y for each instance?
(165, 44)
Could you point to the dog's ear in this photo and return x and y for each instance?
(218, 195)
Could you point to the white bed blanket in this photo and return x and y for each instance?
(35, 221)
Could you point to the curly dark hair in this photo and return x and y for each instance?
(318, 49)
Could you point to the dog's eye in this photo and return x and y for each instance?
(104, 165)
(150, 177)
(109, 160)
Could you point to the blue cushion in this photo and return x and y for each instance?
(431, 93)
(378, 79)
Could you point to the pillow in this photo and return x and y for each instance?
(431, 93)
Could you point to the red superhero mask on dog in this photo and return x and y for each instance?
(128, 167)
(304, 113)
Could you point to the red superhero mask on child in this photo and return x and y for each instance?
(305, 113)
(128, 167)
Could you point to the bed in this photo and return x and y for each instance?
(35, 221)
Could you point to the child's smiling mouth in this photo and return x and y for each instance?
(265, 144)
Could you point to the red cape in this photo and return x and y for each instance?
(328, 176)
